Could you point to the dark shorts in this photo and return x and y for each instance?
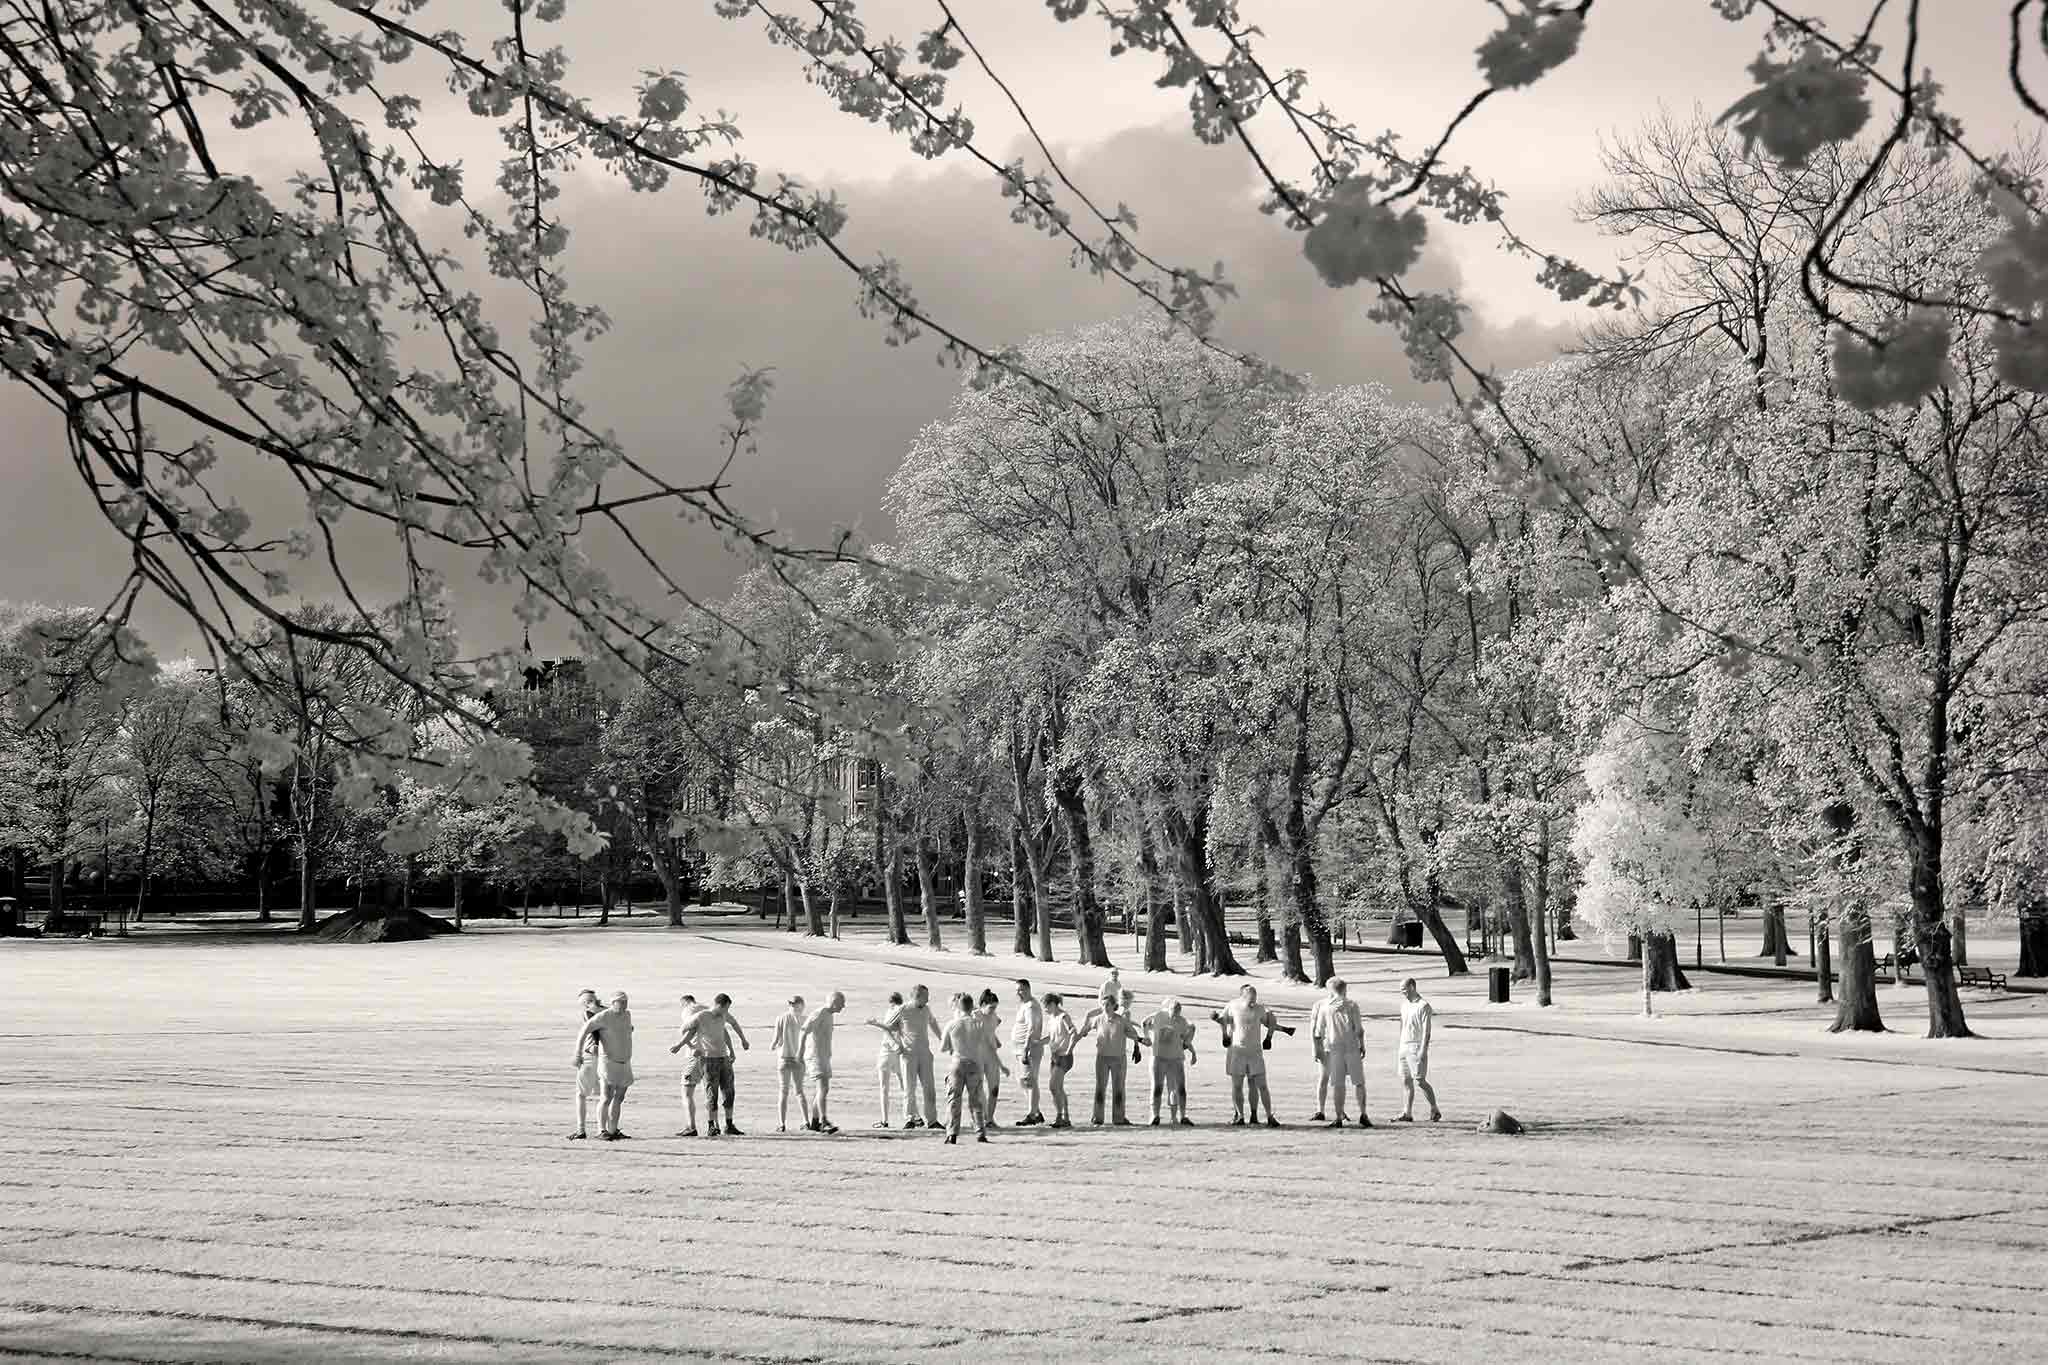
(1062, 1063)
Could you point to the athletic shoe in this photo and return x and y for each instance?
(1272, 1122)
(687, 1132)
(1334, 1123)
(578, 1137)
(1316, 1117)
(1237, 1120)
(1186, 1122)
(1364, 1122)
(981, 1137)
(1155, 1120)
(781, 1128)
(622, 1137)
(1404, 1118)
(1095, 1123)
(881, 1123)
(1124, 1123)
(916, 1123)
(829, 1129)
(609, 1137)
(711, 1130)
(1063, 1123)
(731, 1131)
(950, 1138)
(1435, 1118)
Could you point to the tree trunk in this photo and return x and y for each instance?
(1856, 1009)
(1020, 896)
(2033, 944)
(970, 890)
(1542, 935)
(671, 883)
(1518, 918)
(1822, 958)
(458, 898)
(1661, 971)
(1155, 918)
(1930, 928)
(1269, 947)
(1190, 836)
(1306, 909)
(1635, 947)
(1066, 791)
(814, 909)
(1777, 943)
(307, 912)
(263, 887)
(1959, 943)
(785, 914)
(1446, 942)
(835, 903)
(1183, 932)
(928, 891)
(892, 896)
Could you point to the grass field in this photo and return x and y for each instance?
(272, 1150)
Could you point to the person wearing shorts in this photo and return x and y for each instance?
(1343, 1050)
(693, 1074)
(1172, 1036)
(1061, 1038)
(963, 1040)
(1027, 1035)
(818, 1060)
(588, 1084)
(889, 1058)
(1251, 1028)
(1417, 1022)
(992, 1068)
(613, 1029)
(788, 1043)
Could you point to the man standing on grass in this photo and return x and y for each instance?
(1251, 1027)
(1112, 988)
(1028, 1034)
(1344, 1049)
(693, 1075)
(713, 1031)
(963, 1040)
(914, 1024)
(613, 1028)
(1173, 1037)
(1061, 1038)
(1114, 1032)
(588, 1084)
(889, 1058)
(788, 1043)
(1318, 1034)
(1417, 1020)
(818, 1033)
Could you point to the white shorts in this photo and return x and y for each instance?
(1245, 1063)
(587, 1082)
(694, 1073)
(617, 1075)
(890, 1063)
(818, 1071)
(1415, 1064)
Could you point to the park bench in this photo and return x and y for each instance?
(1980, 976)
(82, 924)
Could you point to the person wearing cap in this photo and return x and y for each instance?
(588, 1086)
(1344, 1050)
(693, 1074)
(1172, 1036)
(789, 1050)
(818, 1041)
(613, 1028)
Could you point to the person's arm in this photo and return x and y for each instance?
(933, 1025)
(745, 1046)
(1037, 1016)
(683, 1039)
(1428, 1027)
(945, 1042)
(588, 1025)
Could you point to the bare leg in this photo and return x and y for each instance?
(690, 1103)
(824, 1093)
(582, 1108)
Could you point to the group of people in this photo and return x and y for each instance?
(1044, 1037)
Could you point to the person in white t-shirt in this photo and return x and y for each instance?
(1417, 1017)
(1027, 1035)
(789, 1053)
(1251, 1026)
(1344, 1049)
(889, 1057)
(613, 1029)
(818, 1060)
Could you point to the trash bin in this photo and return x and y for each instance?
(1497, 985)
(1410, 934)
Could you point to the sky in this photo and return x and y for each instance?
(694, 300)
